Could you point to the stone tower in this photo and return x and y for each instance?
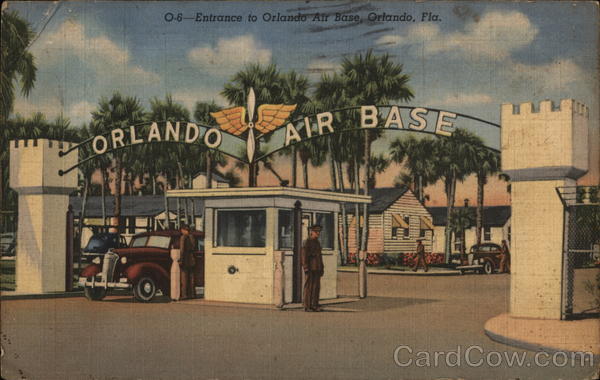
(43, 202)
(541, 150)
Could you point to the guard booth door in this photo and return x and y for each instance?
(302, 221)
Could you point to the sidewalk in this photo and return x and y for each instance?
(545, 334)
(292, 306)
(433, 271)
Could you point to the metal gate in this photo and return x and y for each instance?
(581, 251)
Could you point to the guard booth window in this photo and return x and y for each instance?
(326, 221)
(241, 228)
(286, 229)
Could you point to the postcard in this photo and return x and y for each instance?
(300, 190)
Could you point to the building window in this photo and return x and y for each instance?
(422, 233)
(394, 232)
(407, 228)
(457, 244)
(241, 228)
(325, 220)
(400, 222)
(286, 229)
(487, 233)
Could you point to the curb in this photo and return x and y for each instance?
(10, 297)
(403, 273)
(527, 345)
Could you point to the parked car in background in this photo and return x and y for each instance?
(101, 243)
(8, 243)
(144, 266)
(484, 258)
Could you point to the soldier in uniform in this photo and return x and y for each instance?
(187, 244)
(420, 256)
(312, 263)
(504, 266)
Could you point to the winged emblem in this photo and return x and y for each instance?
(270, 117)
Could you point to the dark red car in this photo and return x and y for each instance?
(144, 266)
(484, 258)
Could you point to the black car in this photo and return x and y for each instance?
(100, 243)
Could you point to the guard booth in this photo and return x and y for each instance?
(253, 238)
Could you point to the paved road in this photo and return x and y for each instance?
(118, 339)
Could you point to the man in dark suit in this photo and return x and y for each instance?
(312, 263)
(187, 246)
(420, 259)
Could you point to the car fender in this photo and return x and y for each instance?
(91, 270)
(136, 271)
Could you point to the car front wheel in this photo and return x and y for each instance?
(145, 289)
(488, 267)
(94, 294)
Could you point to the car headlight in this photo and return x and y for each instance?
(123, 260)
(96, 260)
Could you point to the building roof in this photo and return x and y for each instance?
(381, 199)
(493, 216)
(216, 176)
(131, 205)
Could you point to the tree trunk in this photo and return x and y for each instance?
(420, 192)
(340, 176)
(367, 155)
(331, 166)
(294, 166)
(305, 173)
(479, 218)
(86, 184)
(153, 184)
(208, 170)
(357, 209)
(165, 188)
(103, 196)
(117, 211)
(2, 186)
(450, 194)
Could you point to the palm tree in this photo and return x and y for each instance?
(456, 158)
(378, 164)
(16, 63)
(488, 163)
(202, 115)
(118, 111)
(293, 91)
(417, 158)
(372, 80)
(460, 221)
(268, 87)
(232, 178)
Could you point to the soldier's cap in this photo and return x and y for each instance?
(316, 227)
(419, 240)
(184, 227)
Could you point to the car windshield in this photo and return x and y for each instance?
(139, 241)
(99, 241)
(159, 241)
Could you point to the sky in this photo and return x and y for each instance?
(465, 57)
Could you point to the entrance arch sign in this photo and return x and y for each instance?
(235, 135)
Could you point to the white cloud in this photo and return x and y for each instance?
(189, 97)
(495, 35)
(229, 54)
(78, 113)
(50, 107)
(104, 56)
(466, 99)
(555, 75)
